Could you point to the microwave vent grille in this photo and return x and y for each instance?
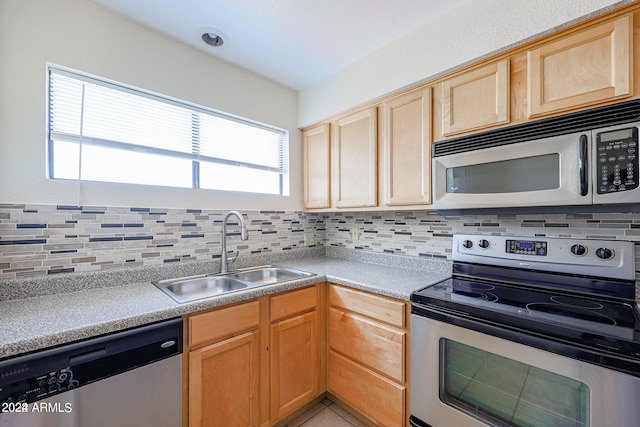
(587, 120)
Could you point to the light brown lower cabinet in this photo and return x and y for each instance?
(224, 366)
(223, 387)
(373, 395)
(255, 363)
(368, 354)
(261, 362)
(377, 346)
(294, 350)
(294, 363)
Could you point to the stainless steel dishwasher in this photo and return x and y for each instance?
(129, 378)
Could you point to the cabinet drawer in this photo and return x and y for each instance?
(226, 321)
(293, 302)
(377, 307)
(377, 346)
(371, 394)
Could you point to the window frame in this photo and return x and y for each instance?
(196, 158)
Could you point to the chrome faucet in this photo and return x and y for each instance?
(243, 236)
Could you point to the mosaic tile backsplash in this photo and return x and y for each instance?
(43, 239)
(427, 234)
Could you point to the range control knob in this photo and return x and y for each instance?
(578, 250)
(467, 244)
(484, 244)
(604, 253)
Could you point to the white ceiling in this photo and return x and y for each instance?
(294, 42)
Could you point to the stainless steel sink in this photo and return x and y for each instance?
(268, 275)
(191, 288)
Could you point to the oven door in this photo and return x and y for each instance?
(545, 172)
(460, 377)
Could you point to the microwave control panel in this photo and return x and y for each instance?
(617, 153)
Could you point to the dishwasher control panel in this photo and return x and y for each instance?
(37, 387)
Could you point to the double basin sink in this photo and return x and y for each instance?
(191, 288)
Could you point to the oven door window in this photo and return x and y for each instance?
(506, 176)
(504, 392)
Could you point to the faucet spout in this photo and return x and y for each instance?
(244, 235)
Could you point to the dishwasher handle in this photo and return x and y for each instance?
(87, 356)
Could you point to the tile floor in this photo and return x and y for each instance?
(326, 414)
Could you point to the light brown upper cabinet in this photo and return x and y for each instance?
(476, 99)
(354, 160)
(575, 69)
(405, 164)
(317, 167)
(587, 68)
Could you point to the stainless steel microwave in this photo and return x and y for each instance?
(554, 162)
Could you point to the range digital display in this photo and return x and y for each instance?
(526, 247)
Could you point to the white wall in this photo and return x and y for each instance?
(466, 33)
(85, 36)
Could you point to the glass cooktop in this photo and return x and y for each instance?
(593, 322)
(576, 311)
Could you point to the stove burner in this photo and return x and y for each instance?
(481, 286)
(479, 295)
(476, 290)
(575, 312)
(577, 302)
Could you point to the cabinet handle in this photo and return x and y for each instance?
(583, 165)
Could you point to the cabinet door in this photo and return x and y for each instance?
(406, 149)
(589, 67)
(316, 167)
(354, 160)
(294, 363)
(476, 99)
(223, 383)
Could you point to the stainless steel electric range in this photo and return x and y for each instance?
(528, 332)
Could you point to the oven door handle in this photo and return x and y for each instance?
(583, 165)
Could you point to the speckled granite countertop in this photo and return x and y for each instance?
(38, 322)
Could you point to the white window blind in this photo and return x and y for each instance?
(104, 131)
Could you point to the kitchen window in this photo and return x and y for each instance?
(100, 130)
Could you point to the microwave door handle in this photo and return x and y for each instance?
(583, 165)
